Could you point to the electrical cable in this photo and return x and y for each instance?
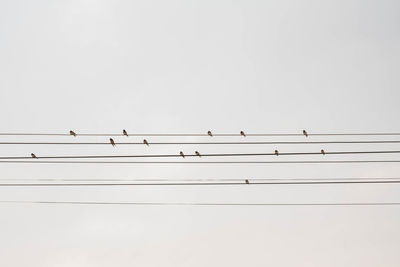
(246, 182)
(198, 203)
(208, 143)
(204, 155)
(203, 134)
(199, 162)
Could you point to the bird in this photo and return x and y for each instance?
(112, 142)
(209, 133)
(124, 132)
(145, 142)
(72, 133)
(276, 152)
(247, 181)
(322, 152)
(181, 153)
(242, 133)
(33, 156)
(305, 133)
(197, 153)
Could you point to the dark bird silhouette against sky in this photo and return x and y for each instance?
(112, 142)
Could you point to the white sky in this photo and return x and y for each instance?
(194, 66)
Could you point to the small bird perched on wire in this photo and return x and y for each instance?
(112, 142)
(276, 152)
(145, 142)
(209, 133)
(322, 152)
(181, 153)
(305, 133)
(247, 181)
(33, 156)
(197, 153)
(242, 134)
(72, 133)
(124, 132)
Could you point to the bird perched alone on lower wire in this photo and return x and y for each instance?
(209, 133)
(181, 153)
(33, 156)
(145, 142)
(276, 152)
(242, 134)
(72, 133)
(247, 181)
(322, 152)
(305, 133)
(124, 132)
(112, 142)
(197, 153)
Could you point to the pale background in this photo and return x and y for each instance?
(193, 66)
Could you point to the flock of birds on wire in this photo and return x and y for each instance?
(212, 181)
(145, 142)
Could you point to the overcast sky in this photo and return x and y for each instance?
(193, 66)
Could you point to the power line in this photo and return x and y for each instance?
(208, 143)
(197, 203)
(203, 134)
(205, 155)
(243, 183)
(199, 162)
(194, 180)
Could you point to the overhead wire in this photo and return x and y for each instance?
(195, 179)
(201, 134)
(198, 203)
(245, 182)
(199, 162)
(208, 143)
(203, 155)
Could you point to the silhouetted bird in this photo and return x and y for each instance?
(33, 156)
(305, 133)
(242, 133)
(277, 152)
(197, 153)
(145, 142)
(181, 153)
(247, 181)
(112, 142)
(124, 132)
(322, 152)
(72, 133)
(209, 133)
